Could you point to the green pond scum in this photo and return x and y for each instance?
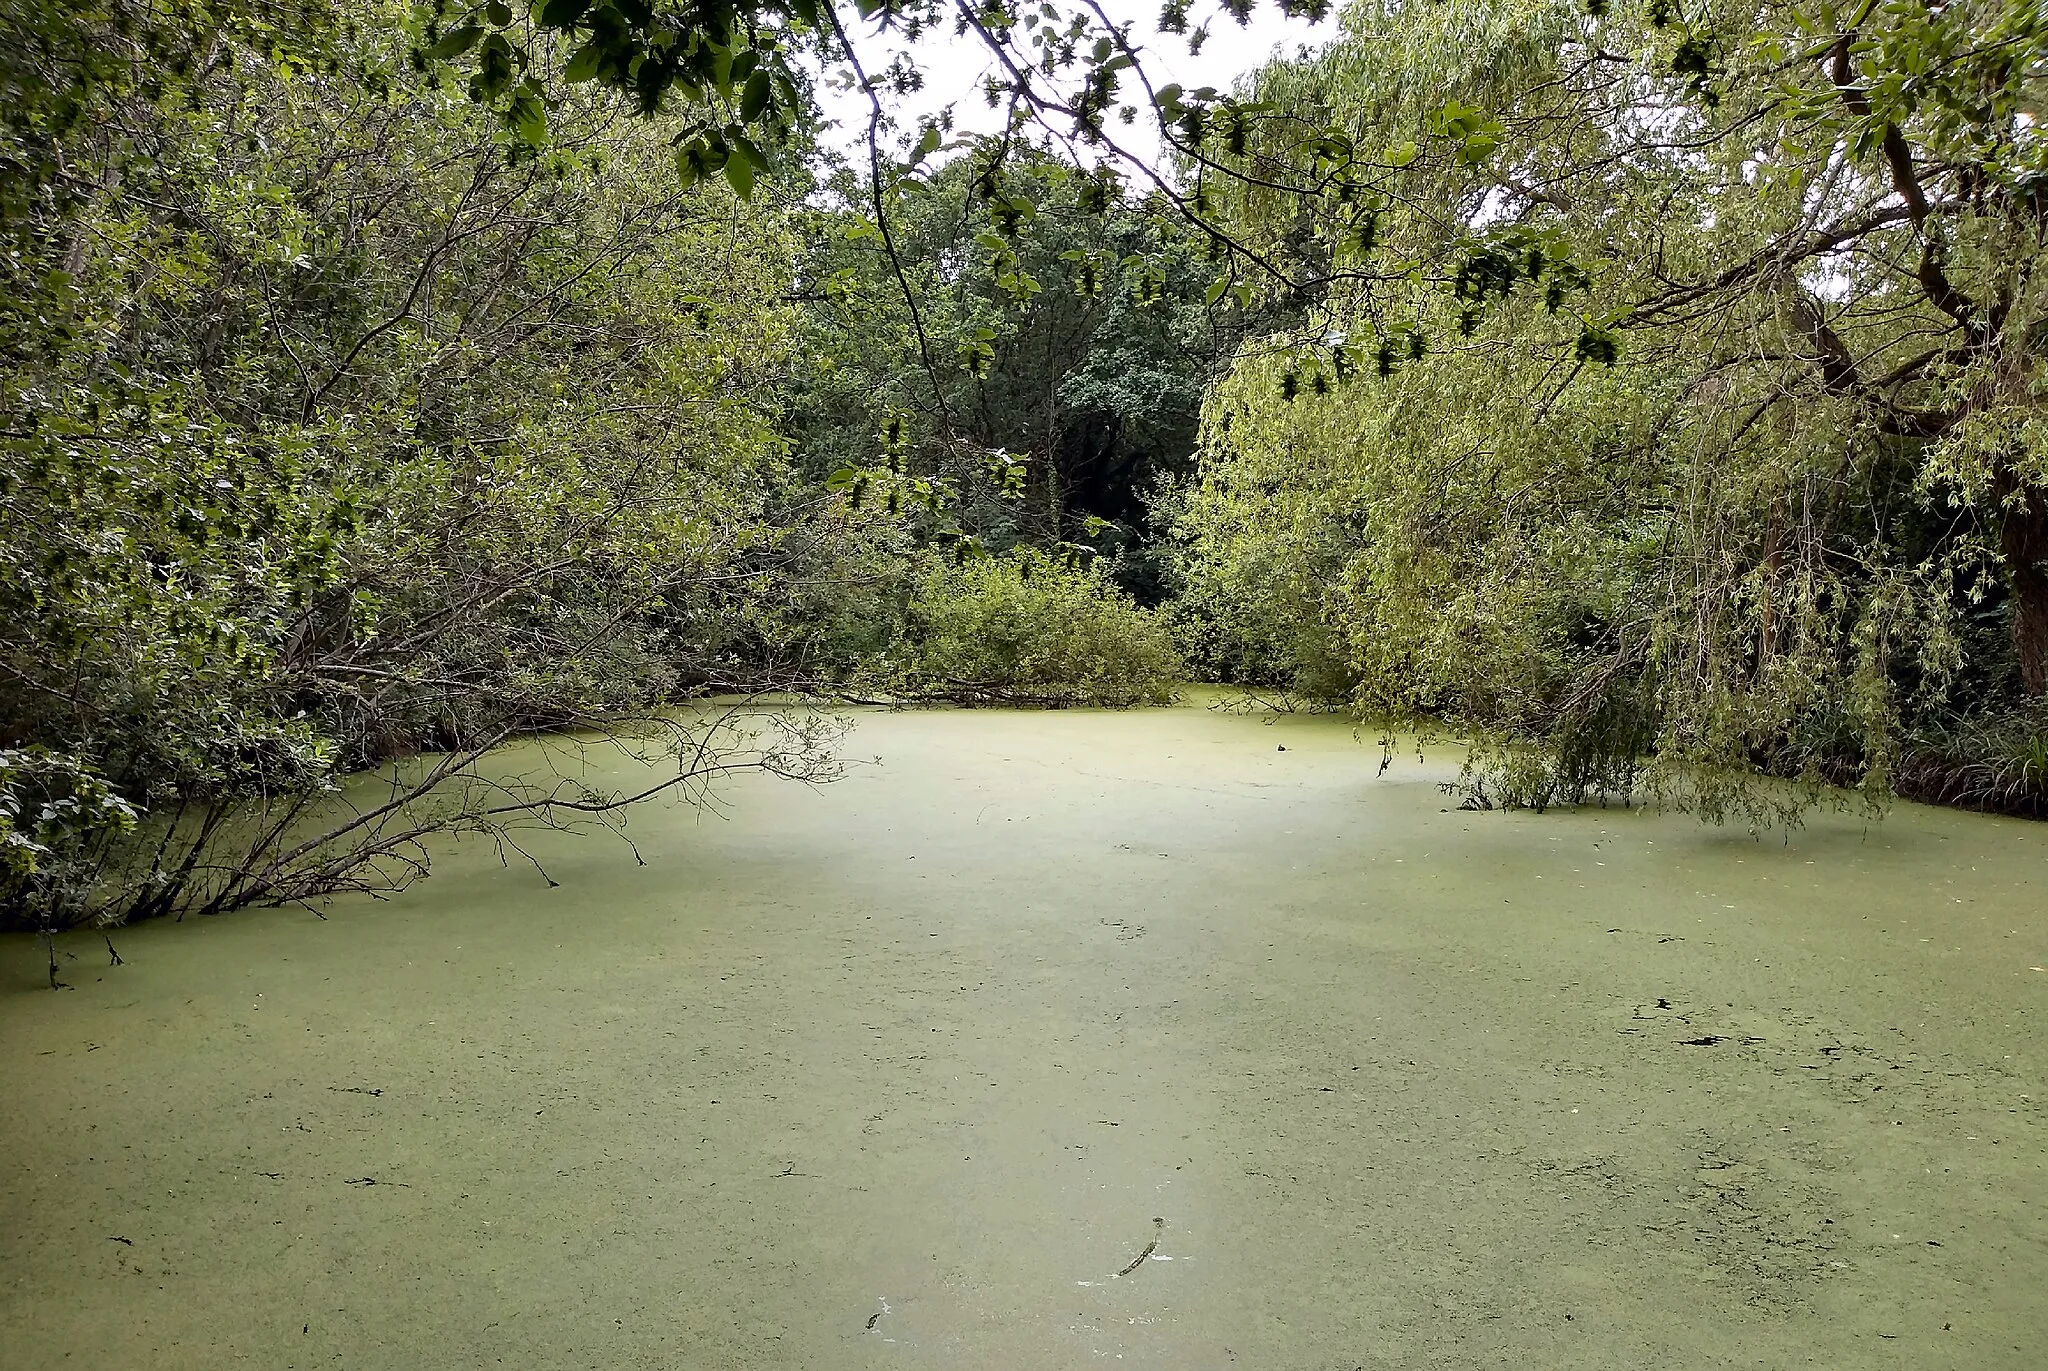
(1175, 1038)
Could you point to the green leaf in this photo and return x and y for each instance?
(1216, 289)
(529, 120)
(975, 358)
(584, 64)
(1401, 154)
(494, 69)
(749, 151)
(754, 99)
(1477, 148)
(739, 174)
(560, 14)
(499, 13)
(1455, 119)
(455, 43)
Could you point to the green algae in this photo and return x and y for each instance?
(905, 1070)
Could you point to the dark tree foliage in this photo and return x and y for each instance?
(1074, 340)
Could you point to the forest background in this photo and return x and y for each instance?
(1649, 395)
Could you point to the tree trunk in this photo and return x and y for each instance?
(2023, 539)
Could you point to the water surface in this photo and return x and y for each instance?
(904, 1071)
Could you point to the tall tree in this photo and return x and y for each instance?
(1071, 339)
(1807, 239)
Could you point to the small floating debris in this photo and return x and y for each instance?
(1158, 1230)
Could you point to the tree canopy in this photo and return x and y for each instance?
(1650, 393)
(1722, 444)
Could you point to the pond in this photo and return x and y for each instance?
(1173, 1039)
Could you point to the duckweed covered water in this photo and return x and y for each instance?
(1045, 1041)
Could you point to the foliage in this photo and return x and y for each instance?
(1683, 399)
(47, 801)
(1652, 394)
(338, 431)
(1050, 377)
(1996, 762)
(1033, 630)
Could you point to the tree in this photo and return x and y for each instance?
(340, 428)
(1806, 241)
(1073, 341)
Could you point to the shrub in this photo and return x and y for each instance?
(1023, 629)
(1997, 762)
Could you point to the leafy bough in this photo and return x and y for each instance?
(375, 834)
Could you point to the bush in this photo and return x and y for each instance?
(1023, 629)
(1997, 762)
(272, 513)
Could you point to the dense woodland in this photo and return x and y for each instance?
(1650, 395)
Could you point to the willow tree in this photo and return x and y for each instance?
(1729, 316)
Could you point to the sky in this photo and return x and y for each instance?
(953, 68)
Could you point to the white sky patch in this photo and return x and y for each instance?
(1831, 276)
(954, 68)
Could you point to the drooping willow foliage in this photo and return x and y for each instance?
(1681, 399)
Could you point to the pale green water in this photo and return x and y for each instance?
(933, 1048)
